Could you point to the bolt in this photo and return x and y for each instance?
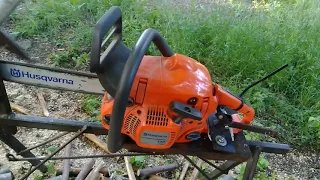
(130, 102)
(220, 116)
(221, 140)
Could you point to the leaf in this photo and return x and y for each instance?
(73, 1)
(263, 163)
(203, 166)
(242, 169)
(132, 159)
(38, 178)
(52, 148)
(177, 175)
(140, 159)
(51, 169)
(248, 137)
(137, 161)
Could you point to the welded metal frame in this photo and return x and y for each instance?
(9, 121)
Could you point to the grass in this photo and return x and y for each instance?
(91, 105)
(238, 43)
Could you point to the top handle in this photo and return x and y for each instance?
(112, 18)
(124, 87)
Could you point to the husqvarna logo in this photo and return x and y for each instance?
(21, 74)
(15, 72)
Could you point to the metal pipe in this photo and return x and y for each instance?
(43, 143)
(55, 152)
(143, 173)
(213, 165)
(7, 7)
(66, 164)
(95, 172)
(52, 124)
(75, 171)
(17, 146)
(11, 157)
(6, 176)
(85, 170)
(252, 164)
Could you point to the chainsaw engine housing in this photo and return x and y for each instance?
(148, 119)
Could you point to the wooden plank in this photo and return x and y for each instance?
(129, 168)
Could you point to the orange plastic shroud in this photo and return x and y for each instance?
(161, 80)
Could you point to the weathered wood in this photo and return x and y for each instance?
(184, 171)
(95, 172)
(43, 104)
(19, 109)
(97, 142)
(129, 168)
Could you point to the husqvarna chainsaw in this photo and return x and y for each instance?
(156, 101)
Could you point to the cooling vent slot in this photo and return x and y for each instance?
(157, 117)
(172, 137)
(131, 124)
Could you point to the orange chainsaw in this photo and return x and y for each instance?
(158, 101)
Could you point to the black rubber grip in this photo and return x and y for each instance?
(126, 81)
(112, 18)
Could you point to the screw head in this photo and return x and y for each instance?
(130, 102)
(220, 116)
(221, 140)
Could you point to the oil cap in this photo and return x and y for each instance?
(193, 136)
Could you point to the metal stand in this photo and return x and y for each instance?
(245, 151)
(17, 146)
(252, 163)
(7, 131)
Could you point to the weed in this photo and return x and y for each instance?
(91, 105)
(51, 171)
(311, 132)
(262, 168)
(137, 161)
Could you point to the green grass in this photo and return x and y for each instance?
(91, 105)
(237, 42)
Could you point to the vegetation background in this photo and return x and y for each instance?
(239, 41)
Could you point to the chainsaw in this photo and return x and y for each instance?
(156, 101)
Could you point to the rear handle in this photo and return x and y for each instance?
(112, 18)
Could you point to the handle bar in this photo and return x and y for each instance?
(113, 17)
(126, 81)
